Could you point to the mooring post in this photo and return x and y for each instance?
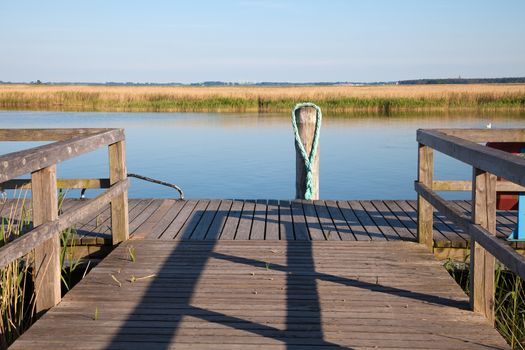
(306, 118)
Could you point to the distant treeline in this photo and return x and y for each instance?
(519, 80)
(204, 83)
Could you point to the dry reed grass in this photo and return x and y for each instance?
(249, 98)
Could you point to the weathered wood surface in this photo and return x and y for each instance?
(119, 203)
(501, 186)
(46, 255)
(305, 118)
(233, 219)
(481, 261)
(19, 163)
(487, 135)
(264, 295)
(51, 229)
(497, 162)
(424, 208)
(46, 134)
(25, 184)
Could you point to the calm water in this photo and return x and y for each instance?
(219, 155)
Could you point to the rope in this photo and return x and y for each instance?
(308, 160)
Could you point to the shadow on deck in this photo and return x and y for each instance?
(264, 294)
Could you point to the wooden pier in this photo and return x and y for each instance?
(266, 274)
(333, 220)
(264, 295)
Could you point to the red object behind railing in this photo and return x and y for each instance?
(509, 200)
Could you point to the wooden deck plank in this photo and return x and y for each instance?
(143, 216)
(259, 220)
(312, 221)
(176, 225)
(189, 226)
(207, 217)
(445, 232)
(299, 222)
(286, 228)
(341, 226)
(245, 221)
(230, 227)
(167, 219)
(136, 207)
(326, 221)
(240, 295)
(442, 233)
(219, 220)
(353, 222)
(379, 220)
(272, 220)
(366, 221)
(402, 216)
(392, 220)
(145, 230)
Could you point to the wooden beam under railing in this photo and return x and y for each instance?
(25, 184)
(454, 185)
(487, 135)
(26, 243)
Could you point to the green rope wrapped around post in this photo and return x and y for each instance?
(308, 159)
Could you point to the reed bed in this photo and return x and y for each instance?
(509, 301)
(341, 98)
(17, 290)
(16, 285)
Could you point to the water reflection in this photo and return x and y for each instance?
(251, 155)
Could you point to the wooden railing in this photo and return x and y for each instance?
(41, 162)
(467, 145)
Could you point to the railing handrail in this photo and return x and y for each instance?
(41, 162)
(495, 161)
(29, 160)
(487, 164)
(57, 134)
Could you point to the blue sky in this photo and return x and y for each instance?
(256, 40)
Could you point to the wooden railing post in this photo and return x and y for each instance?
(482, 263)
(47, 255)
(424, 208)
(119, 205)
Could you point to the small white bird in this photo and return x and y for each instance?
(489, 126)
